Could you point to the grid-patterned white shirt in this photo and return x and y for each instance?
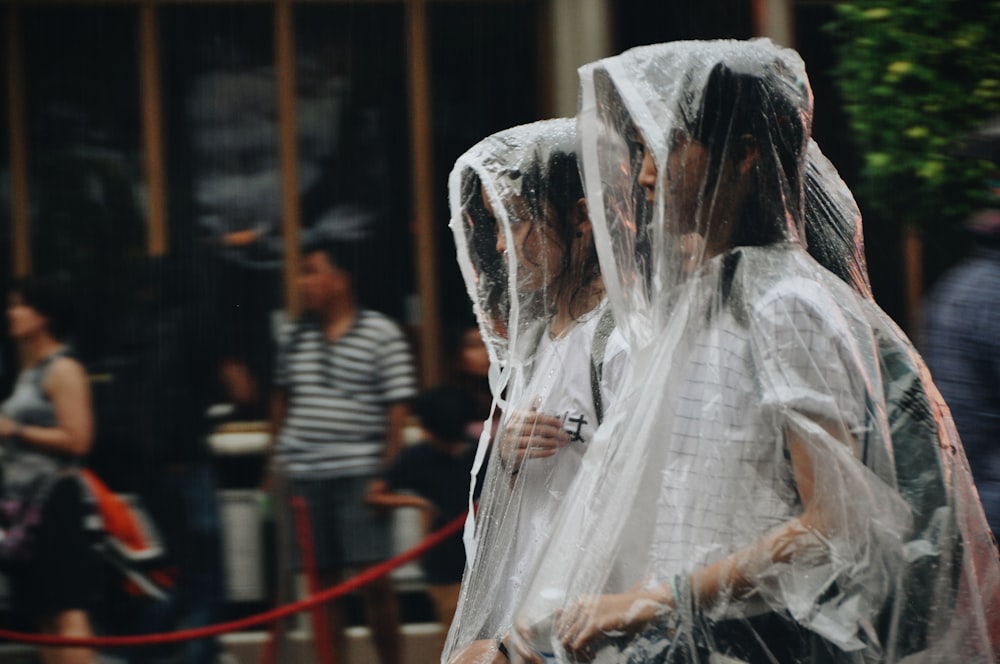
(338, 395)
(728, 478)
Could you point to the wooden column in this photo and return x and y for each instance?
(775, 19)
(913, 268)
(284, 49)
(152, 130)
(422, 174)
(19, 222)
(580, 32)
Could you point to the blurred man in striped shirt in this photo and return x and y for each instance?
(343, 380)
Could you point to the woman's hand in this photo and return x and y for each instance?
(531, 435)
(379, 496)
(595, 618)
(479, 652)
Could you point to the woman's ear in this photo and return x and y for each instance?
(749, 152)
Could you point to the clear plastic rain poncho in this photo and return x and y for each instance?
(526, 250)
(777, 479)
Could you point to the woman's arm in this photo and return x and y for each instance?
(594, 617)
(380, 494)
(598, 616)
(68, 388)
(732, 576)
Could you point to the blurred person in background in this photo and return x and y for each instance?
(343, 381)
(46, 428)
(435, 476)
(469, 371)
(962, 332)
(176, 350)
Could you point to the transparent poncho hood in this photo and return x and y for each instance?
(525, 247)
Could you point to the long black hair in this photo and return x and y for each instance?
(557, 182)
(754, 104)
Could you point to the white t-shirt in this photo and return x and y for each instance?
(560, 384)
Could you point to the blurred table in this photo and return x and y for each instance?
(236, 438)
(240, 451)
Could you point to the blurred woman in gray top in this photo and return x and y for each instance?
(46, 427)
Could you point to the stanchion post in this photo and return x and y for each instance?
(269, 653)
(321, 632)
(277, 495)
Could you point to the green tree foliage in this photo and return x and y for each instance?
(916, 76)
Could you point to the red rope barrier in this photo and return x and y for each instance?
(347, 586)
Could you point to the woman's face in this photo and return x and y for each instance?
(537, 246)
(23, 320)
(648, 173)
(687, 164)
(687, 168)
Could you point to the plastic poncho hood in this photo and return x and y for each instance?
(526, 251)
(669, 101)
(498, 188)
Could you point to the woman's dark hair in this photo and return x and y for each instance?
(753, 104)
(482, 247)
(558, 182)
(565, 191)
(565, 186)
(52, 297)
(833, 234)
(618, 118)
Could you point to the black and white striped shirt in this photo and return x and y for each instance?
(338, 395)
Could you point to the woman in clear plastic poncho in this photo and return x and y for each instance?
(742, 498)
(526, 249)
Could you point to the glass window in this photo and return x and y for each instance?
(485, 78)
(85, 170)
(223, 171)
(354, 146)
(220, 109)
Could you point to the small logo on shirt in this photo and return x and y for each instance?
(574, 426)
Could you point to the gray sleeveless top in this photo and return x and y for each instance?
(26, 466)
